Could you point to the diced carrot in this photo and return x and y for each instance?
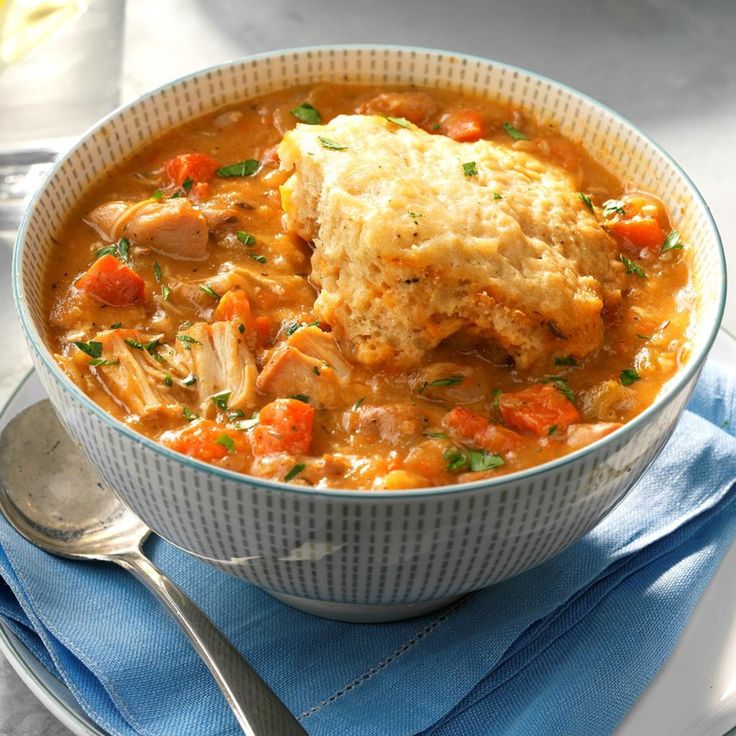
(475, 429)
(263, 327)
(463, 125)
(464, 422)
(205, 440)
(112, 282)
(641, 232)
(195, 166)
(234, 305)
(496, 438)
(643, 223)
(537, 409)
(284, 425)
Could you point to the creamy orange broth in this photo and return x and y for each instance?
(388, 430)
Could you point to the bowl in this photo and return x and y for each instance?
(379, 555)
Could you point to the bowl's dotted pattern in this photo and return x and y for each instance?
(362, 548)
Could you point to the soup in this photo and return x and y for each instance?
(370, 288)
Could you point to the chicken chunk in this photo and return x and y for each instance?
(416, 107)
(221, 363)
(308, 363)
(133, 376)
(413, 245)
(172, 227)
(390, 423)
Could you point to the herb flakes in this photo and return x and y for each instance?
(672, 242)
(227, 442)
(516, 134)
(245, 238)
(91, 348)
(401, 122)
(298, 468)
(631, 267)
(306, 113)
(470, 168)
(449, 381)
(629, 376)
(586, 200)
(242, 168)
(332, 145)
(220, 400)
(209, 291)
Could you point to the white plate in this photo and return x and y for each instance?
(694, 694)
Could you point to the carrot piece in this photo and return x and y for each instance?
(234, 305)
(112, 282)
(464, 422)
(262, 326)
(640, 232)
(195, 166)
(205, 440)
(537, 409)
(496, 438)
(479, 432)
(465, 126)
(284, 425)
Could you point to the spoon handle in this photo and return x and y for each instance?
(256, 707)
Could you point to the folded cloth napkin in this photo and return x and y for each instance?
(517, 658)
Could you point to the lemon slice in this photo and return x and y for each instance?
(25, 25)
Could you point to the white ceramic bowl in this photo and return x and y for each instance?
(367, 556)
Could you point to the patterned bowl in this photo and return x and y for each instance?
(367, 556)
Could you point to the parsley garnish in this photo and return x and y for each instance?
(553, 428)
(103, 362)
(562, 386)
(124, 249)
(188, 340)
(168, 380)
(235, 414)
(157, 272)
(358, 402)
(245, 238)
(517, 135)
(241, 328)
(158, 194)
(470, 168)
(332, 145)
(613, 207)
(496, 195)
(437, 435)
(116, 325)
(227, 442)
(209, 291)
(672, 242)
(190, 380)
(315, 370)
(257, 257)
(629, 376)
(415, 215)
(401, 122)
(295, 471)
(299, 397)
(307, 113)
(459, 459)
(92, 348)
(189, 415)
(241, 168)
(585, 199)
(165, 291)
(186, 185)
(220, 400)
(449, 381)
(496, 399)
(108, 250)
(566, 360)
(632, 267)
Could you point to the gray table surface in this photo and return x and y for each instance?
(667, 65)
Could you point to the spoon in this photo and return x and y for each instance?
(54, 497)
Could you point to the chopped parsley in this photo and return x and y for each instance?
(241, 168)
(435, 126)
(189, 415)
(235, 414)
(496, 399)
(168, 380)
(332, 145)
(299, 397)
(401, 122)
(449, 381)
(124, 249)
(632, 267)
(566, 360)
(108, 250)
(92, 348)
(227, 442)
(158, 194)
(190, 380)
(306, 113)
(295, 471)
(157, 272)
(209, 291)
(629, 376)
(259, 258)
(517, 135)
(496, 195)
(555, 330)
(187, 184)
(613, 207)
(552, 429)
(672, 242)
(241, 328)
(562, 386)
(358, 402)
(437, 435)
(245, 238)
(220, 400)
(188, 340)
(116, 325)
(165, 291)
(415, 215)
(315, 370)
(585, 199)
(459, 459)
(470, 168)
(103, 362)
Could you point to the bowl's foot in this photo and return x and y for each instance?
(364, 613)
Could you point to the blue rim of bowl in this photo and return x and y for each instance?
(490, 484)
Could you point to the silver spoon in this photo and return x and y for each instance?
(54, 497)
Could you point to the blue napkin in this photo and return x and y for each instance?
(516, 658)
